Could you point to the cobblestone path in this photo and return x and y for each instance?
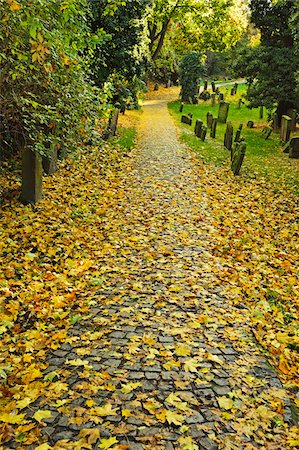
(164, 360)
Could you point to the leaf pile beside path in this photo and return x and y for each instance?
(257, 243)
(49, 271)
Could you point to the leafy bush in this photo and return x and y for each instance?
(46, 94)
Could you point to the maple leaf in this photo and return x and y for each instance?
(187, 443)
(225, 402)
(170, 364)
(173, 417)
(126, 413)
(129, 387)
(107, 443)
(11, 418)
(214, 358)
(90, 435)
(191, 365)
(104, 411)
(182, 350)
(40, 415)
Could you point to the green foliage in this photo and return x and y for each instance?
(271, 67)
(46, 93)
(190, 74)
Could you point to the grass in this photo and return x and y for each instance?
(263, 159)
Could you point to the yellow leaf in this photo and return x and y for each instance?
(129, 387)
(78, 362)
(214, 358)
(104, 411)
(225, 402)
(170, 364)
(11, 418)
(107, 443)
(15, 6)
(190, 365)
(126, 413)
(182, 350)
(90, 403)
(40, 415)
(23, 403)
(91, 435)
(187, 443)
(173, 417)
(43, 447)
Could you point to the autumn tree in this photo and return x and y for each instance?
(270, 68)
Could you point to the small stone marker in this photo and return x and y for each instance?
(236, 87)
(181, 107)
(203, 133)
(250, 124)
(213, 128)
(209, 120)
(294, 148)
(198, 127)
(232, 91)
(205, 86)
(285, 131)
(292, 113)
(221, 97)
(266, 132)
(238, 133)
(49, 161)
(187, 120)
(31, 176)
(275, 122)
(239, 104)
(228, 136)
(261, 112)
(223, 112)
(213, 86)
(238, 154)
(213, 99)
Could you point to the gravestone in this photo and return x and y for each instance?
(250, 124)
(205, 86)
(217, 91)
(198, 127)
(123, 108)
(239, 104)
(49, 161)
(294, 148)
(236, 87)
(32, 170)
(181, 107)
(203, 133)
(221, 97)
(213, 128)
(213, 86)
(238, 133)
(156, 86)
(187, 120)
(275, 122)
(232, 91)
(261, 112)
(238, 154)
(285, 130)
(209, 119)
(223, 112)
(213, 99)
(292, 113)
(266, 132)
(228, 136)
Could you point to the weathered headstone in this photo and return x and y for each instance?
(203, 133)
(181, 107)
(285, 130)
(232, 91)
(213, 86)
(266, 132)
(275, 122)
(238, 154)
(223, 112)
(261, 112)
(228, 136)
(213, 128)
(238, 133)
(250, 124)
(213, 99)
(239, 104)
(209, 119)
(221, 97)
(205, 86)
(217, 90)
(187, 120)
(236, 87)
(294, 148)
(31, 176)
(49, 161)
(198, 127)
(292, 113)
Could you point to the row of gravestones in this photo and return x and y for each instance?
(236, 145)
(288, 124)
(34, 165)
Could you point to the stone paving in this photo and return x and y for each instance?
(162, 356)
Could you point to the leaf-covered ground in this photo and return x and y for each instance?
(123, 318)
